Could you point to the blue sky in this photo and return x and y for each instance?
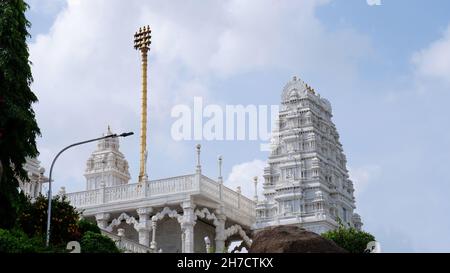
(385, 69)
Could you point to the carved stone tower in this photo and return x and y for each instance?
(106, 165)
(306, 181)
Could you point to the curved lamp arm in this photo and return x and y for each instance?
(49, 211)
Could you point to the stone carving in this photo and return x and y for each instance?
(169, 212)
(205, 213)
(307, 167)
(237, 229)
(128, 219)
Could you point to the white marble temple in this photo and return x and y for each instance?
(306, 180)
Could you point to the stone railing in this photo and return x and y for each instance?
(83, 198)
(234, 202)
(131, 191)
(126, 245)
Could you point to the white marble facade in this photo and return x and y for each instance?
(173, 214)
(306, 180)
(306, 184)
(106, 165)
(33, 187)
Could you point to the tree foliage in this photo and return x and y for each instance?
(18, 127)
(64, 223)
(97, 243)
(351, 239)
(16, 241)
(86, 225)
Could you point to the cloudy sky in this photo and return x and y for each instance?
(385, 69)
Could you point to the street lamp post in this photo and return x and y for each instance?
(49, 212)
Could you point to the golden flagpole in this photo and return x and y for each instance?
(142, 43)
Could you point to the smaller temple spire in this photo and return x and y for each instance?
(106, 165)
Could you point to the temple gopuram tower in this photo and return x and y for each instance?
(306, 180)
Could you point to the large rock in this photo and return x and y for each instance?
(291, 239)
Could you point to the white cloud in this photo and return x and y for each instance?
(362, 176)
(242, 175)
(433, 62)
(87, 73)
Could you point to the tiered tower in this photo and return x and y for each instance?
(306, 181)
(107, 165)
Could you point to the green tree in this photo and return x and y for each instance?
(18, 127)
(351, 239)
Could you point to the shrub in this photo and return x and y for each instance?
(18, 242)
(96, 243)
(86, 225)
(351, 239)
(64, 222)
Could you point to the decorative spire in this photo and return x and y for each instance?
(106, 164)
(219, 159)
(110, 143)
(255, 181)
(199, 167)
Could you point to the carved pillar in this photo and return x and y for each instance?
(182, 241)
(121, 232)
(238, 190)
(187, 226)
(144, 227)
(153, 245)
(198, 169)
(220, 231)
(102, 192)
(102, 220)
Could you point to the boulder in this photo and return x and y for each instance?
(291, 239)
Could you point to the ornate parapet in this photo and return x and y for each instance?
(172, 190)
